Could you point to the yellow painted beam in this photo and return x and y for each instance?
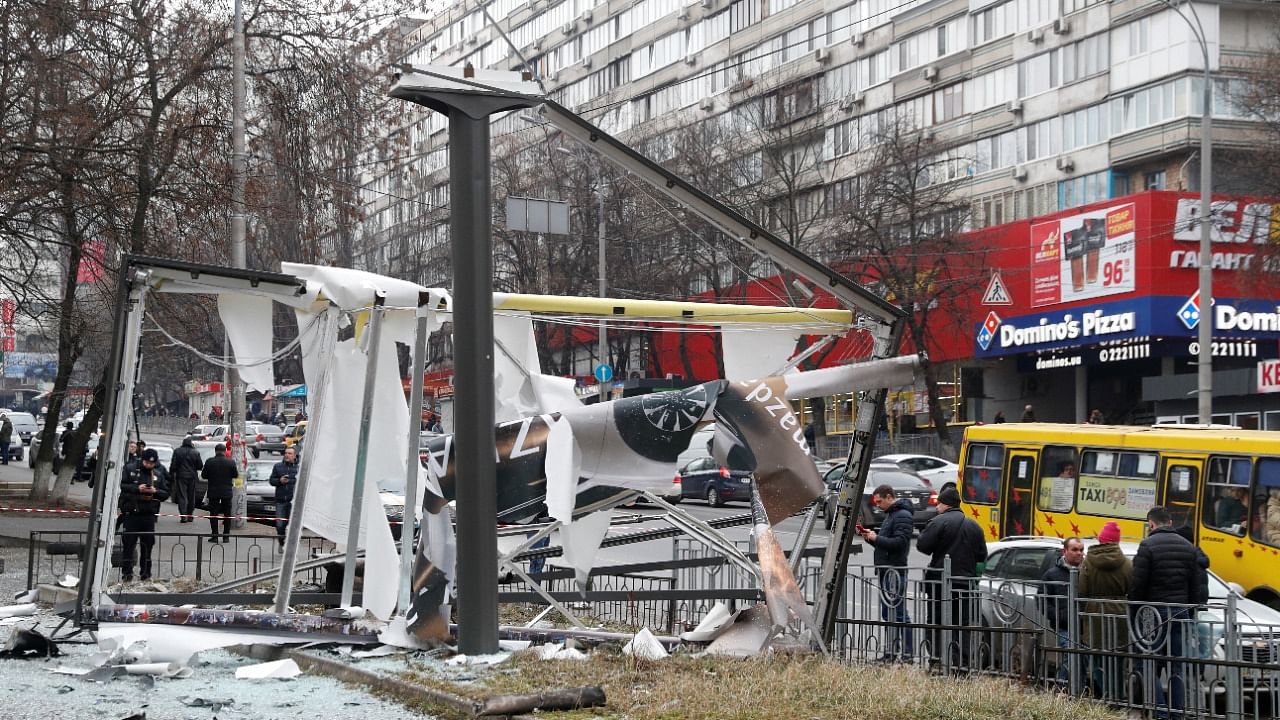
(671, 310)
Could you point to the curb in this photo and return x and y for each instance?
(394, 687)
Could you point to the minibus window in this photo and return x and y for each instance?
(1059, 473)
(1114, 484)
(983, 472)
(1266, 518)
(1226, 495)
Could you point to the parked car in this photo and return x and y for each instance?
(705, 479)
(294, 433)
(208, 432)
(1010, 585)
(24, 427)
(906, 485)
(259, 493)
(391, 492)
(264, 438)
(934, 469)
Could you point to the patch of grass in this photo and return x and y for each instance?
(778, 687)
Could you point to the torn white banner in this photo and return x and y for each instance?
(248, 322)
(755, 353)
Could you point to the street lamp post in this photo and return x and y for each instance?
(604, 337)
(1204, 359)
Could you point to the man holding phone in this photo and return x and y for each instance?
(892, 545)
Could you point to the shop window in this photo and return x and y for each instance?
(1248, 421)
(1226, 495)
(983, 472)
(1265, 522)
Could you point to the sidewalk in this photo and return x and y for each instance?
(19, 525)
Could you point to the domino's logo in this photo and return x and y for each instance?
(988, 331)
(1189, 313)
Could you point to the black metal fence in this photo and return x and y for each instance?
(174, 557)
(1221, 659)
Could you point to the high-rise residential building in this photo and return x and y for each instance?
(1047, 104)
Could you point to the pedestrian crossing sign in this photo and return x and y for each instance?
(997, 293)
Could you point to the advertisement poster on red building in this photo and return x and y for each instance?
(1083, 256)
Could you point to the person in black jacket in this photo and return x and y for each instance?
(1057, 580)
(952, 535)
(892, 544)
(184, 470)
(284, 476)
(142, 489)
(220, 473)
(1172, 573)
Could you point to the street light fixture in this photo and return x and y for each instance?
(1204, 364)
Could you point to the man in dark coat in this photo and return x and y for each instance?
(892, 543)
(952, 535)
(1170, 571)
(220, 473)
(184, 470)
(6, 437)
(144, 486)
(1057, 581)
(284, 476)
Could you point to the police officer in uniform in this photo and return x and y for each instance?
(144, 486)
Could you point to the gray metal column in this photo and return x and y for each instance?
(469, 228)
(293, 533)
(373, 336)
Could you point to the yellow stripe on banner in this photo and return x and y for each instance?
(669, 310)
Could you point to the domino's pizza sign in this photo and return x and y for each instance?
(988, 331)
(1189, 313)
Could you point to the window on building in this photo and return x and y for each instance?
(1154, 180)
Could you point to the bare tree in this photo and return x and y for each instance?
(902, 230)
(114, 135)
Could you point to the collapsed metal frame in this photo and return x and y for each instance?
(139, 274)
(886, 326)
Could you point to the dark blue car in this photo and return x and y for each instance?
(705, 479)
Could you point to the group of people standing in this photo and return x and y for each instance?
(1168, 571)
(146, 484)
(949, 536)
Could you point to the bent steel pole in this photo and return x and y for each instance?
(96, 560)
(293, 534)
(411, 463)
(373, 339)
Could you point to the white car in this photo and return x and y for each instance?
(936, 471)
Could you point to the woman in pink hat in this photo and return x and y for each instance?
(1104, 584)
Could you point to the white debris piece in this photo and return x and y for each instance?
(285, 669)
(493, 659)
(644, 645)
(22, 610)
(556, 651)
(160, 669)
(715, 622)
